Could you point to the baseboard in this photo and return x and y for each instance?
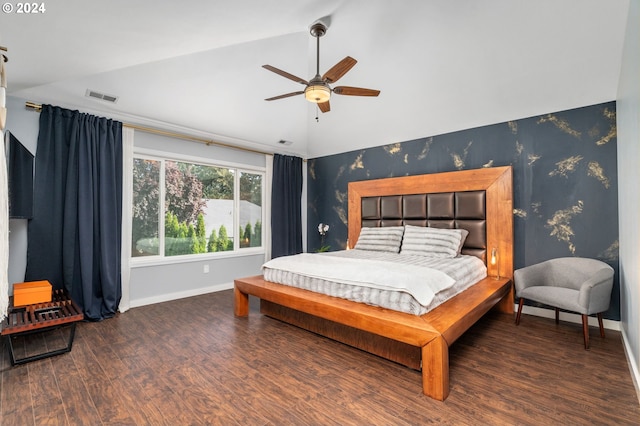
(566, 316)
(179, 295)
(633, 366)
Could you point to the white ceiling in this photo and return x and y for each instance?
(195, 66)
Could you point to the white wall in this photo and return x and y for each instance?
(160, 283)
(628, 119)
(24, 125)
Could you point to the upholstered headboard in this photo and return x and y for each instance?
(469, 199)
(464, 209)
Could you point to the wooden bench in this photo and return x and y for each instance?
(41, 317)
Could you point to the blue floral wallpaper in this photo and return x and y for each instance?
(564, 180)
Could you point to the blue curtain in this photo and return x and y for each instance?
(74, 237)
(286, 210)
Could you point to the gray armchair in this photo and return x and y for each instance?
(570, 283)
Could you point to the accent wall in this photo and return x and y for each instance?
(564, 180)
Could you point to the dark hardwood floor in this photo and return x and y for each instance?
(191, 362)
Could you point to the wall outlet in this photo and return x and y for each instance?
(206, 269)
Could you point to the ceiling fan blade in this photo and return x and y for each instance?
(286, 74)
(286, 95)
(355, 91)
(339, 69)
(324, 106)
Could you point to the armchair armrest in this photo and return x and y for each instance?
(530, 276)
(595, 293)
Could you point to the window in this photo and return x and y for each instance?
(250, 230)
(146, 207)
(205, 208)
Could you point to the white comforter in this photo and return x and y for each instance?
(421, 282)
(465, 270)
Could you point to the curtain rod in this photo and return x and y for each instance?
(208, 142)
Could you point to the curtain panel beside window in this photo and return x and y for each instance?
(74, 237)
(286, 208)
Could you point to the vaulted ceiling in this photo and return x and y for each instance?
(196, 66)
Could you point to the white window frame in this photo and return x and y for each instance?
(161, 259)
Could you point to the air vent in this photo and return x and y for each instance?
(283, 142)
(101, 96)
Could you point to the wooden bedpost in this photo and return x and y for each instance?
(435, 369)
(240, 302)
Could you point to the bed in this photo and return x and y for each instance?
(479, 201)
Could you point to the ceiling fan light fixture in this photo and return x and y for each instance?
(317, 93)
(318, 89)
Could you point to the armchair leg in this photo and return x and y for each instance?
(601, 325)
(585, 330)
(557, 316)
(520, 303)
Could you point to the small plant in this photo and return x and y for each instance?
(323, 228)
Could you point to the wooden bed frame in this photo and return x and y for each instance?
(420, 342)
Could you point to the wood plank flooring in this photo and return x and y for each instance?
(191, 362)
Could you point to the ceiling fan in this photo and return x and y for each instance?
(318, 89)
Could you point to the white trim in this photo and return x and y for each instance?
(633, 366)
(568, 317)
(143, 262)
(4, 199)
(4, 227)
(127, 200)
(162, 196)
(180, 295)
(236, 209)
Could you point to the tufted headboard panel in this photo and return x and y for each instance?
(480, 201)
(463, 210)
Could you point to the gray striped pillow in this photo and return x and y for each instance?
(433, 242)
(387, 238)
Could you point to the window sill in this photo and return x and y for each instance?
(159, 261)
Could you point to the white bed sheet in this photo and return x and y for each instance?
(465, 271)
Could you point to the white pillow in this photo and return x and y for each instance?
(386, 238)
(433, 242)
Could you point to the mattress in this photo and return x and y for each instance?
(464, 270)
